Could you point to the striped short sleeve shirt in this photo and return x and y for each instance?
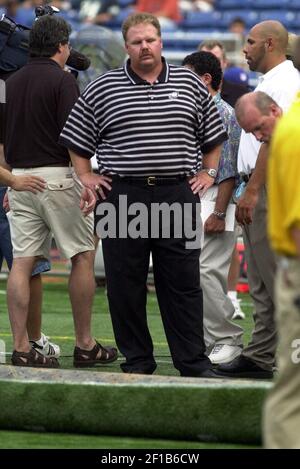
(139, 129)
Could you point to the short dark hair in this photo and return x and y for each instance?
(140, 18)
(296, 53)
(238, 20)
(46, 34)
(205, 62)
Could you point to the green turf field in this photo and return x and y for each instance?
(58, 324)
(31, 440)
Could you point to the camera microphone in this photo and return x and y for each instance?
(78, 60)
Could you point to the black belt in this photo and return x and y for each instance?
(150, 180)
(57, 165)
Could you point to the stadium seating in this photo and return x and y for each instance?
(249, 16)
(201, 19)
(116, 22)
(285, 17)
(271, 4)
(125, 3)
(258, 4)
(294, 5)
(233, 4)
(285, 11)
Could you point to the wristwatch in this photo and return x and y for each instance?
(211, 172)
(220, 215)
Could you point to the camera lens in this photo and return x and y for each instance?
(39, 11)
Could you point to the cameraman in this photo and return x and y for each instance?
(32, 183)
(39, 99)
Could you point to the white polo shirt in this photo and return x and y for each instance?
(281, 83)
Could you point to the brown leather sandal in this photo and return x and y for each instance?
(34, 359)
(98, 355)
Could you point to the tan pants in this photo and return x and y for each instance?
(218, 309)
(261, 270)
(35, 217)
(281, 427)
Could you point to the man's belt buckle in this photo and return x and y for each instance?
(151, 180)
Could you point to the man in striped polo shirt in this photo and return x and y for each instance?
(157, 136)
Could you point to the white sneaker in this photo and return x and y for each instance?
(223, 353)
(46, 348)
(238, 313)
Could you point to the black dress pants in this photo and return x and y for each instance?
(177, 282)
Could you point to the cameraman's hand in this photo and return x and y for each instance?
(6, 202)
(28, 183)
(87, 201)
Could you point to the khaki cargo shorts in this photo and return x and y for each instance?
(35, 218)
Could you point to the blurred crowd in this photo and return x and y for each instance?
(103, 11)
